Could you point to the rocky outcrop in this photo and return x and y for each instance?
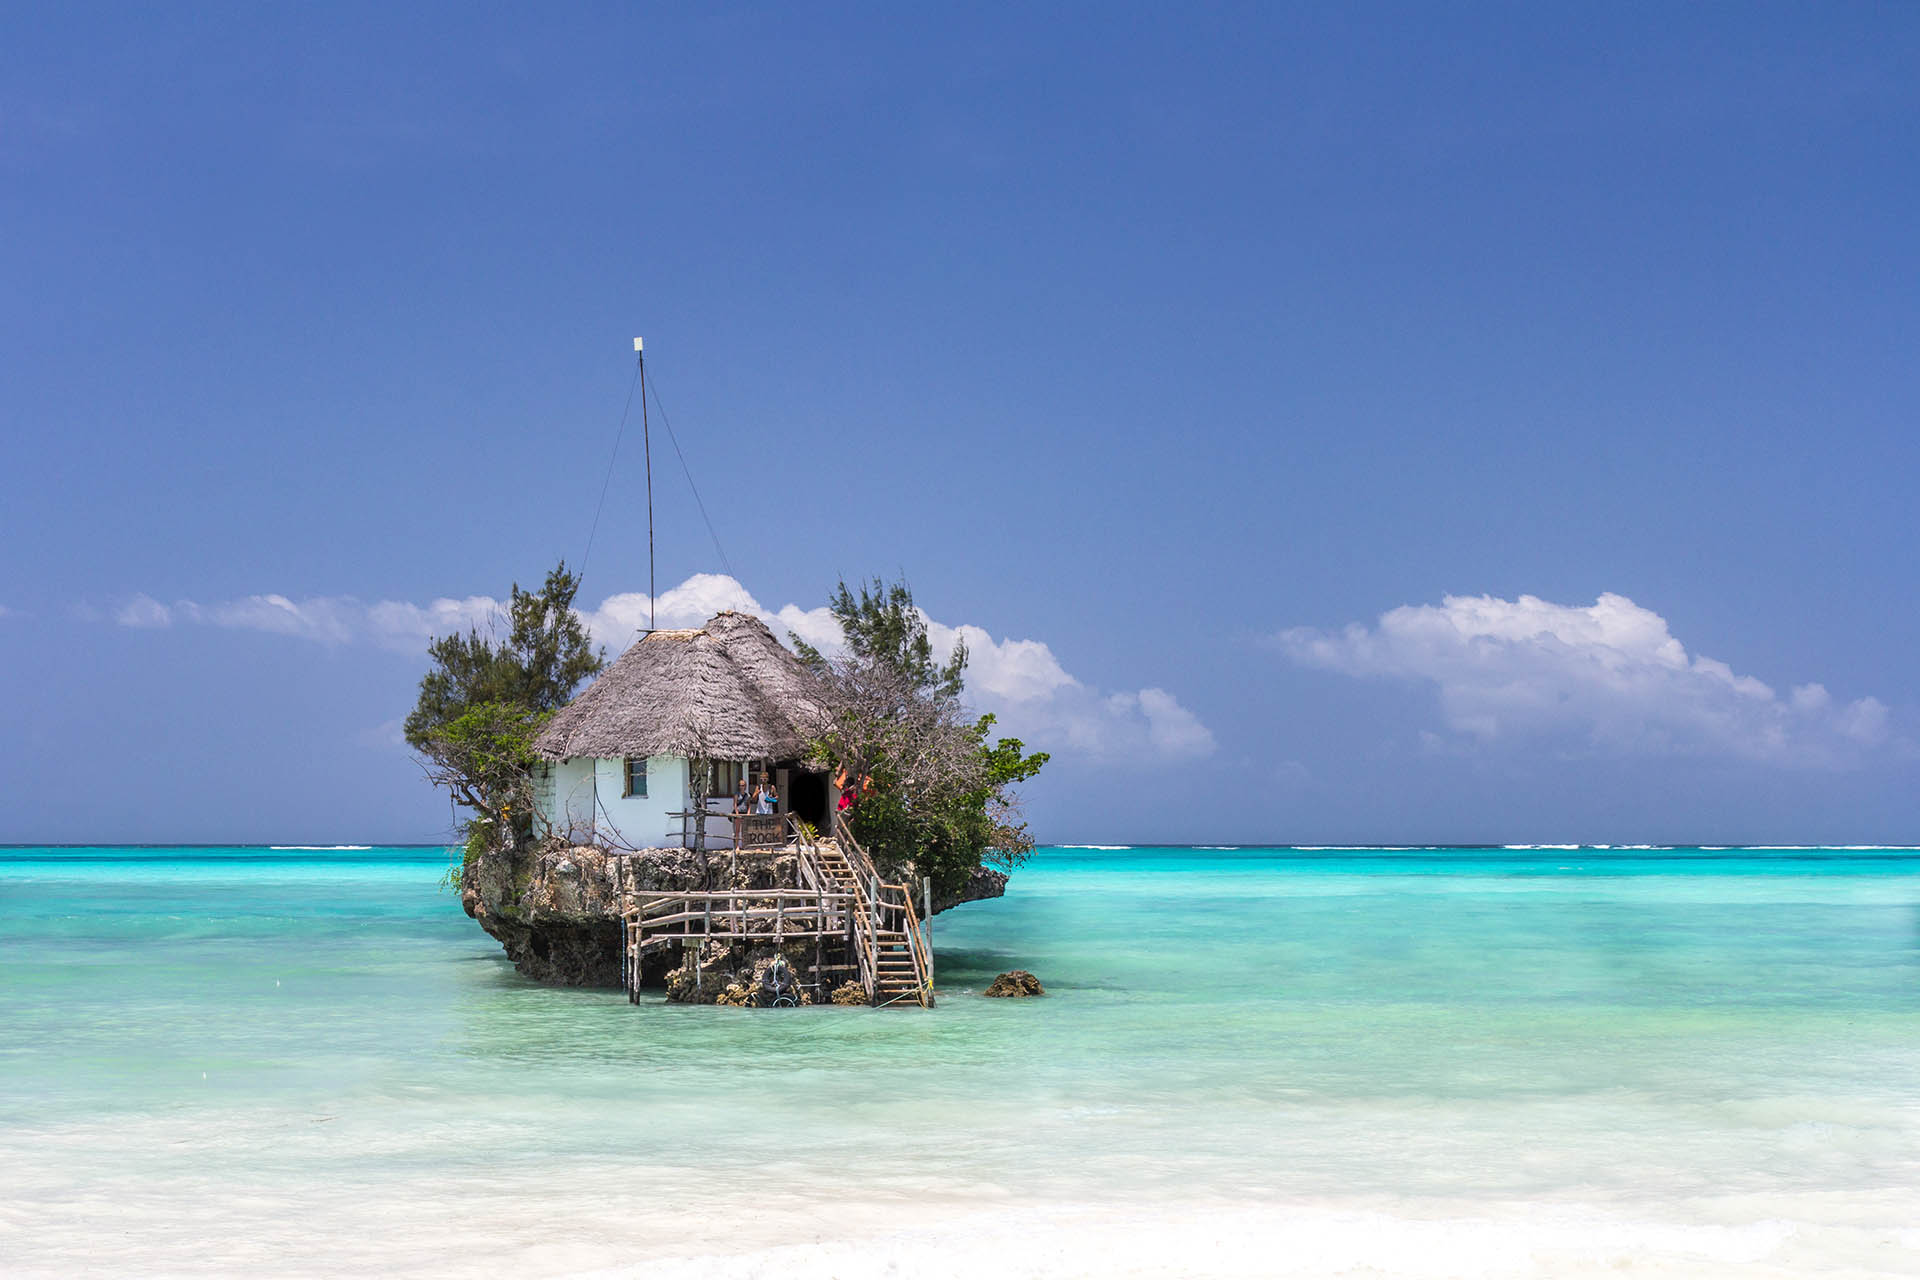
(554, 908)
(735, 975)
(984, 883)
(1014, 983)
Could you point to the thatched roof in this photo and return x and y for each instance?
(727, 691)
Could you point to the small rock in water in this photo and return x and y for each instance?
(1016, 982)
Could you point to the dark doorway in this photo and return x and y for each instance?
(807, 797)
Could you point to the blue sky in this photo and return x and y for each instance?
(1340, 423)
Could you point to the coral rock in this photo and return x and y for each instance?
(1015, 982)
(555, 910)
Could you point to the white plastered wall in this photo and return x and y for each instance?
(586, 798)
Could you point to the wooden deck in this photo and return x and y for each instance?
(870, 928)
(725, 830)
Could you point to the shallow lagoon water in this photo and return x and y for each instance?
(1253, 1061)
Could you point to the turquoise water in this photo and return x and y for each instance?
(220, 1061)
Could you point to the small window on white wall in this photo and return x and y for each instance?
(636, 777)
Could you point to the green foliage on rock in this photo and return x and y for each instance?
(883, 624)
(939, 788)
(485, 701)
(542, 660)
(487, 751)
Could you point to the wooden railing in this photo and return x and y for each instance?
(890, 908)
(859, 914)
(762, 916)
(917, 945)
(845, 901)
(738, 830)
(898, 915)
(758, 915)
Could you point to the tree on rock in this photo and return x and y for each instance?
(485, 700)
(936, 791)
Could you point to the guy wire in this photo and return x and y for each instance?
(608, 478)
(688, 472)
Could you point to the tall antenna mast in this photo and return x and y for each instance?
(646, 445)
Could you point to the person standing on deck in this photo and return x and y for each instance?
(741, 804)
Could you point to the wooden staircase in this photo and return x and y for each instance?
(840, 896)
(895, 962)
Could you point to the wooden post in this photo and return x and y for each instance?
(926, 888)
(700, 956)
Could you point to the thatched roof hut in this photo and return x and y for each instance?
(725, 691)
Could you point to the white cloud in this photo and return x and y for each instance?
(1610, 674)
(1013, 670)
(1020, 681)
(145, 612)
(407, 627)
(331, 620)
(620, 618)
(388, 735)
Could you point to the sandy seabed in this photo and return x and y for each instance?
(1303, 1241)
(471, 1229)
